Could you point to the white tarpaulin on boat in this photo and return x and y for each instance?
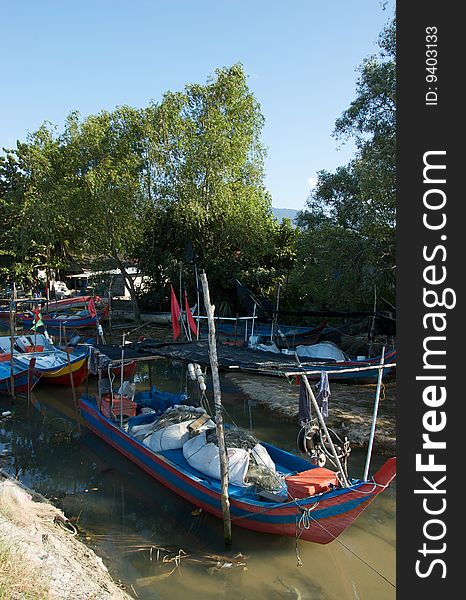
(175, 435)
(204, 457)
(267, 348)
(326, 350)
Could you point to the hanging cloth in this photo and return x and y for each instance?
(323, 393)
(304, 413)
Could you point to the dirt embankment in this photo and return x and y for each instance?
(40, 558)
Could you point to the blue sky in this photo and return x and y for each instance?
(301, 57)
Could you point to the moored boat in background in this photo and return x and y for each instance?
(24, 380)
(54, 365)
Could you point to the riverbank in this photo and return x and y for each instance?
(41, 558)
(350, 407)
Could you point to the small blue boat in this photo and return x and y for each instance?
(22, 378)
(284, 335)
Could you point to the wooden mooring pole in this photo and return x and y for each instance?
(73, 391)
(12, 345)
(210, 309)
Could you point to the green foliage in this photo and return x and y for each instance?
(207, 184)
(138, 185)
(348, 240)
(34, 231)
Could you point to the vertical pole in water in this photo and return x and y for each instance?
(218, 412)
(371, 343)
(110, 312)
(12, 346)
(72, 383)
(374, 416)
(32, 364)
(121, 380)
(253, 319)
(99, 389)
(198, 300)
(181, 309)
(275, 317)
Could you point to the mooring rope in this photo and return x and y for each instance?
(306, 525)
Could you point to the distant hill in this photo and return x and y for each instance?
(284, 213)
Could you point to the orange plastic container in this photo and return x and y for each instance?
(123, 405)
(4, 356)
(311, 482)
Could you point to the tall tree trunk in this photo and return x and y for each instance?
(130, 283)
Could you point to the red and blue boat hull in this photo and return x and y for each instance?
(328, 514)
(23, 381)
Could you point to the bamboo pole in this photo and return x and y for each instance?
(110, 311)
(253, 318)
(73, 391)
(198, 299)
(275, 318)
(218, 412)
(374, 417)
(121, 378)
(31, 365)
(317, 371)
(12, 346)
(371, 342)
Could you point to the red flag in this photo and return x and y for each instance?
(192, 324)
(37, 319)
(91, 307)
(175, 310)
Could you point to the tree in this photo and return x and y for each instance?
(34, 230)
(348, 240)
(206, 182)
(105, 195)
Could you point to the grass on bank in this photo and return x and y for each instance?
(16, 579)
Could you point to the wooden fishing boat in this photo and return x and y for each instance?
(317, 516)
(69, 303)
(129, 368)
(285, 335)
(53, 365)
(23, 380)
(56, 322)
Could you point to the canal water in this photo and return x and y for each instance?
(134, 523)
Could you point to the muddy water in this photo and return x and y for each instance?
(122, 513)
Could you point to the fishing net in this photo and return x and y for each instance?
(235, 437)
(177, 414)
(261, 473)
